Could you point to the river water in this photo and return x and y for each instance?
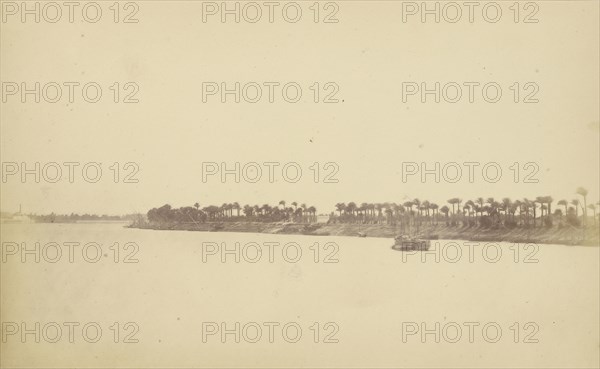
(297, 301)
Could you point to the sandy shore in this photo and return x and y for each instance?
(543, 235)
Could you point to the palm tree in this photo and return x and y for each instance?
(295, 205)
(223, 210)
(472, 208)
(364, 209)
(479, 207)
(237, 207)
(468, 209)
(417, 204)
(516, 206)
(444, 209)
(298, 213)
(526, 206)
(426, 206)
(531, 204)
(491, 201)
(408, 205)
(340, 206)
(575, 203)
(549, 200)
(434, 207)
(541, 200)
(453, 201)
(506, 205)
(377, 208)
(593, 207)
(351, 207)
(313, 211)
(303, 207)
(564, 203)
(558, 213)
(282, 203)
(513, 209)
(372, 209)
(388, 213)
(583, 192)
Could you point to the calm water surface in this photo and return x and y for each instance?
(365, 290)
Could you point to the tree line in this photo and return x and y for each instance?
(484, 212)
(73, 218)
(232, 212)
(536, 212)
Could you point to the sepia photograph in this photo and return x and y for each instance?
(300, 184)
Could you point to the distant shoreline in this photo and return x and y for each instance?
(540, 235)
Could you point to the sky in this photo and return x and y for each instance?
(368, 56)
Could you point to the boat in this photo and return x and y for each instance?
(362, 234)
(409, 243)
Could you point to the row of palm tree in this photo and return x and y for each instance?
(486, 212)
(234, 212)
(480, 211)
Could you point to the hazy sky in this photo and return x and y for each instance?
(369, 133)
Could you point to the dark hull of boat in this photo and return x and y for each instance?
(412, 245)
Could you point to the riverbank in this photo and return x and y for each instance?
(543, 235)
